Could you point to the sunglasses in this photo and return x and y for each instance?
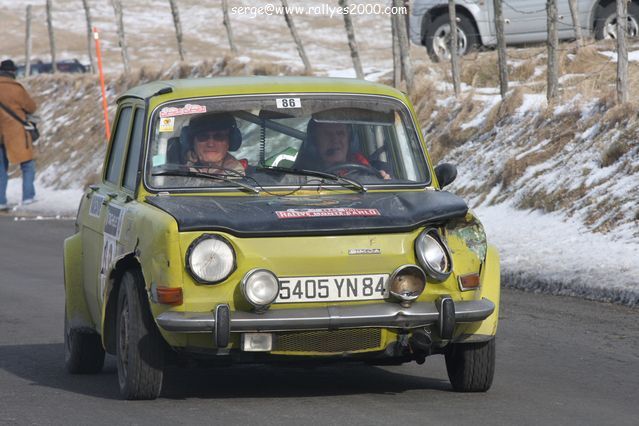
(220, 136)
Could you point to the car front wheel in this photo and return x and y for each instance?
(140, 350)
(438, 34)
(606, 24)
(471, 366)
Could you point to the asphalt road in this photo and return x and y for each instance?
(559, 361)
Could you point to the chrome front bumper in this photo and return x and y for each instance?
(382, 315)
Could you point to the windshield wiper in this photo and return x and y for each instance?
(345, 182)
(216, 176)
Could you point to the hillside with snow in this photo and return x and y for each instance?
(557, 185)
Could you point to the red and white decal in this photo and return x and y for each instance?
(332, 212)
(185, 110)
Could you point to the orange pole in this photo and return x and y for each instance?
(98, 53)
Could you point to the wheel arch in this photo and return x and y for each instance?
(126, 263)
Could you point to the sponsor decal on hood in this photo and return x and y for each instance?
(328, 212)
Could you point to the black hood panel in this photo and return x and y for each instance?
(322, 215)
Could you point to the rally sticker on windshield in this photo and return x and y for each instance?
(330, 212)
(167, 124)
(185, 110)
(288, 102)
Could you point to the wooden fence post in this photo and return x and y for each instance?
(117, 9)
(574, 12)
(227, 24)
(27, 47)
(454, 57)
(352, 43)
(296, 38)
(87, 14)
(178, 27)
(54, 65)
(553, 53)
(397, 61)
(502, 59)
(404, 46)
(622, 51)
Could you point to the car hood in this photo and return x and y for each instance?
(373, 212)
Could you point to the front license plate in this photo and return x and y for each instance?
(332, 288)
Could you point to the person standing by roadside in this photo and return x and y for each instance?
(16, 145)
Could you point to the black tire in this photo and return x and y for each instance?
(608, 16)
(139, 348)
(83, 351)
(471, 366)
(438, 31)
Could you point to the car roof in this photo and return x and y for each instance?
(219, 86)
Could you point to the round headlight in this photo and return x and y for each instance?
(407, 283)
(210, 259)
(433, 255)
(260, 287)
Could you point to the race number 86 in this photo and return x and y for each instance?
(288, 103)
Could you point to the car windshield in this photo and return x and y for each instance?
(284, 141)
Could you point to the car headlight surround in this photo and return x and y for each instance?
(210, 259)
(433, 254)
(407, 283)
(260, 288)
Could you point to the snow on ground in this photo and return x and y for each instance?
(632, 56)
(49, 203)
(546, 253)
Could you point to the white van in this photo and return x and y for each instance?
(525, 22)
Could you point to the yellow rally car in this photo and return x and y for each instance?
(264, 219)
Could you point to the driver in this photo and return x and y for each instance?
(211, 137)
(331, 141)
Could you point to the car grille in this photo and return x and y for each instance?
(336, 341)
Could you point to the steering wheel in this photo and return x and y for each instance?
(353, 168)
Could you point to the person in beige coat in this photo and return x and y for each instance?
(16, 146)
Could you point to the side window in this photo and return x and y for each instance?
(135, 145)
(119, 143)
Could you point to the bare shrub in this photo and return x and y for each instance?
(512, 170)
(505, 108)
(614, 152)
(450, 139)
(524, 71)
(424, 99)
(607, 99)
(588, 60)
(620, 114)
(468, 108)
(549, 201)
(560, 134)
(481, 72)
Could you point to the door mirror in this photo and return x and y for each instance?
(446, 174)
